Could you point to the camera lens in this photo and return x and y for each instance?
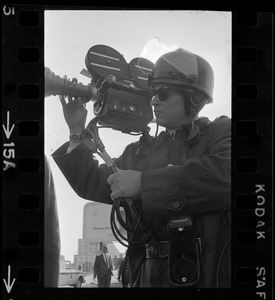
(184, 271)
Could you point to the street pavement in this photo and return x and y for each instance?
(91, 283)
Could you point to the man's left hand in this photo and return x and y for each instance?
(125, 183)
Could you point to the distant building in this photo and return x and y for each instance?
(96, 229)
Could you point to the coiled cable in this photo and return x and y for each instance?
(139, 229)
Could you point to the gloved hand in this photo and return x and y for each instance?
(75, 113)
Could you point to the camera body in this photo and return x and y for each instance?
(119, 90)
(123, 95)
(184, 253)
(123, 108)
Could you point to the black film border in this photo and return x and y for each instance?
(23, 157)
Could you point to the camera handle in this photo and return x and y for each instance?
(92, 133)
(133, 213)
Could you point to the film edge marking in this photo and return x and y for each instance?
(9, 148)
(260, 213)
(8, 284)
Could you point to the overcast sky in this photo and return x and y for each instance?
(68, 37)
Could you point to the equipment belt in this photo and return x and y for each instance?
(161, 250)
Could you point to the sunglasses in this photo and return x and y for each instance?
(164, 92)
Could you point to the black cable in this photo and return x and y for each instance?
(115, 229)
(138, 216)
(130, 225)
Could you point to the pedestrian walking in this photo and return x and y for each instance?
(103, 267)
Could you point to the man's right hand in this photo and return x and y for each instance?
(75, 113)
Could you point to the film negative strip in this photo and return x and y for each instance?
(23, 169)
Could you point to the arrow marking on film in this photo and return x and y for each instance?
(7, 129)
(8, 285)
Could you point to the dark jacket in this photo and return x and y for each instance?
(198, 184)
(100, 266)
(123, 272)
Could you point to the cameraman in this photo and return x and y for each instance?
(183, 174)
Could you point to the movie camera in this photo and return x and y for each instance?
(119, 90)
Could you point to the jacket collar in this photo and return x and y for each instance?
(193, 132)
